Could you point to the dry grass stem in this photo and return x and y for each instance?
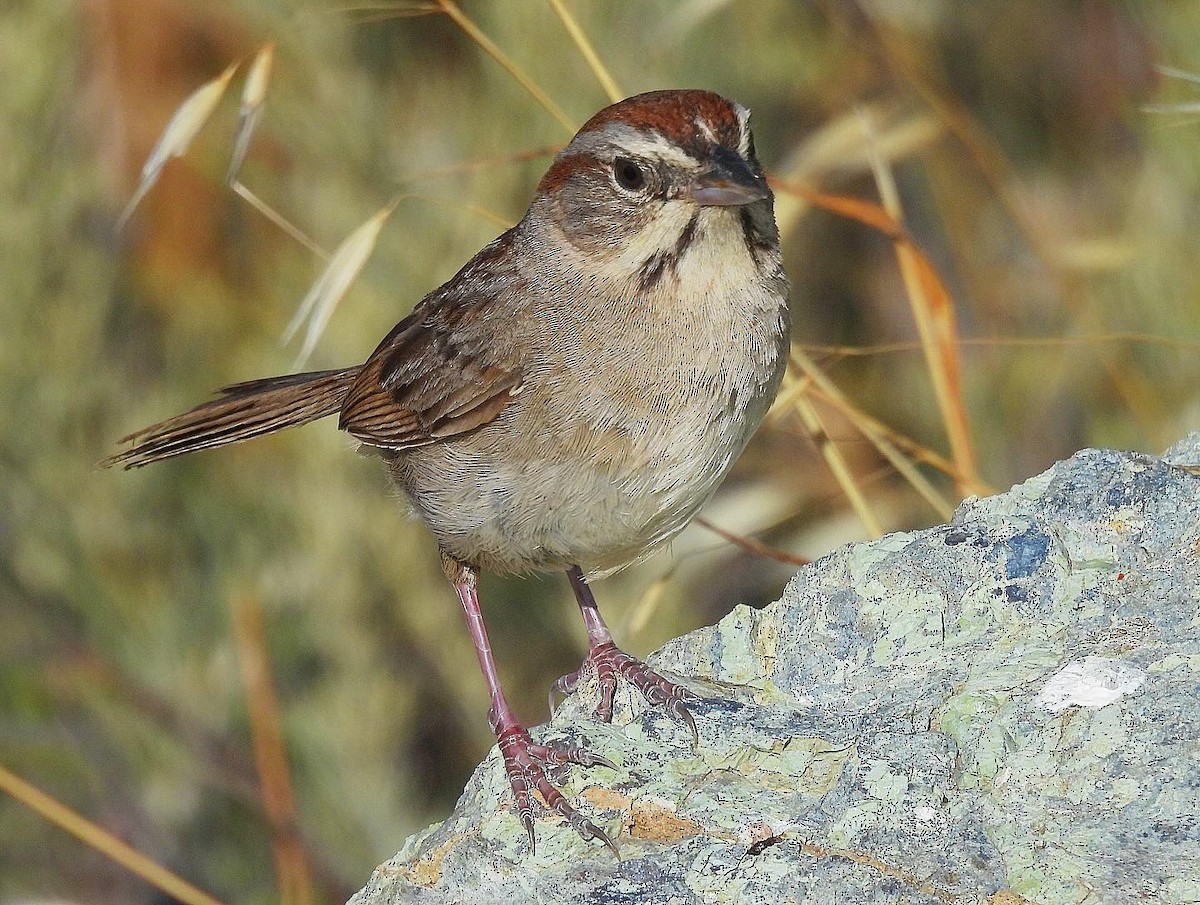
(277, 219)
(935, 319)
(890, 442)
(584, 45)
(833, 457)
(883, 438)
(488, 46)
(750, 545)
(933, 313)
(270, 754)
(102, 841)
(640, 614)
(993, 166)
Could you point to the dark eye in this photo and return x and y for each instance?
(629, 175)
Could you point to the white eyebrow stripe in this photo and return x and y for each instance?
(703, 126)
(743, 117)
(635, 142)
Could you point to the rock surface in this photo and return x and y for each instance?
(1004, 709)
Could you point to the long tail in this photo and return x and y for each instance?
(242, 411)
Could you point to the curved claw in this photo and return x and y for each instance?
(599, 761)
(609, 661)
(556, 760)
(680, 712)
(583, 826)
(528, 765)
(597, 833)
(561, 755)
(527, 822)
(564, 685)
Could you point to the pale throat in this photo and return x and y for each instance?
(714, 258)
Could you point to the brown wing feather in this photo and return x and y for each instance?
(443, 370)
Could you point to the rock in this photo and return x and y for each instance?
(1004, 709)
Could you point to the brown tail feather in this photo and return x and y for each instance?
(242, 411)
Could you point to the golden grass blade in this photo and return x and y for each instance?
(187, 120)
(864, 212)
(278, 219)
(982, 150)
(450, 8)
(991, 163)
(837, 148)
(880, 436)
(937, 326)
(931, 298)
(367, 13)
(904, 453)
(903, 465)
(254, 93)
(1174, 72)
(477, 210)
(483, 163)
(584, 46)
(836, 463)
(270, 755)
(643, 611)
(102, 841)
(939, 321)
(323, 298)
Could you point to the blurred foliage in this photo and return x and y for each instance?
(1060, 213)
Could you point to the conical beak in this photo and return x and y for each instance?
(728, 182)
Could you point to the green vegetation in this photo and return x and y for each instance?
(1060, 214)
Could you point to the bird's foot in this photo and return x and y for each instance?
(529, 767)
(609, 661)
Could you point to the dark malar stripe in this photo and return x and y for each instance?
(686, 238)
(651, 273)
(754, 239)
(653, 270)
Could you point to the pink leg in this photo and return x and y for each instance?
(525, 762)
(609, 661)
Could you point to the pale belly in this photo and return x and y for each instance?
(598, 496)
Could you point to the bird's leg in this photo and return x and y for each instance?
(525, 761)
(609, 661)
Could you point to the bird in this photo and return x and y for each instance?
(574, 394)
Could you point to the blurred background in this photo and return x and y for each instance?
(246, 664)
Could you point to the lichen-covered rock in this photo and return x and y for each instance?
(1003, 709)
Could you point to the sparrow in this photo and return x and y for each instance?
(574, 394)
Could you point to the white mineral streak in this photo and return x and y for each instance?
(1090, 682)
